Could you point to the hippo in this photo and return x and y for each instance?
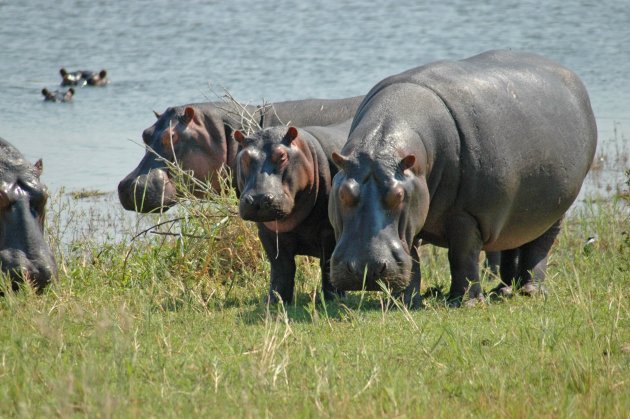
(199, 137)
(486, 153)
(97, 79)
(284, 176)
(24, 254)
(83, 77)
(57, 96)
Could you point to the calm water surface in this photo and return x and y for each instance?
(163, 53)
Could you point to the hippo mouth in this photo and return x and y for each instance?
(263, 208)
(355, 267)
(348, 278)
(21, 270)
(258, 215)
(151, 192)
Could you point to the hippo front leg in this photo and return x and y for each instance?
(411, 295)
(329, 291)
(464, 247)
(281, 255)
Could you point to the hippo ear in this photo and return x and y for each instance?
(340, 161)
(239, 137)
(407, 162)
(189, 114)
(157, 115)
(39, 167)
(291, 135)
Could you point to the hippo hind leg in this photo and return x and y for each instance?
(523, 269)
(532, 261)
(508, 271)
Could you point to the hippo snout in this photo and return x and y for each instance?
(260, 207)
(38, 270)
(147, 192)
(355, 267)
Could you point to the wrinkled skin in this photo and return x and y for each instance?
(24, 254)
(57, 96)
(83, 77)
(199, 138)
(486, 153)
(284, 176)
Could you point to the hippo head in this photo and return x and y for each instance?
(183, 136)
(275, 174)
(24, 254)
(373, 208)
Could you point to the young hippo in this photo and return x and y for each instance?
(57, 96)
(284, 176)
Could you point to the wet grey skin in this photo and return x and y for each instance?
(486, 153)
(284, 175)
(199, 137)
(24, 253)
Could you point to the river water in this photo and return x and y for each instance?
(160, 53)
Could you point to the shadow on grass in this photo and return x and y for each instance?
(306, 309)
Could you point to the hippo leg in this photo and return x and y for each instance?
(532, 261)
(411, 296)
(329, 291)
(508, 270)
(281, 254)
(493, 262)
(464, 247)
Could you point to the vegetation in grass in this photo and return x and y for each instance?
(169, 321)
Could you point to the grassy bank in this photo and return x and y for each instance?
(171, 323)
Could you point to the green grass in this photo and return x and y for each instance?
(164, 325)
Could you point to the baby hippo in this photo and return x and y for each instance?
(57, 96)
(284, 176)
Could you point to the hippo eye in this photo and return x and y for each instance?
(394, 197)
(349, 193)
(279, 157)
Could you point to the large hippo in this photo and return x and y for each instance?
(284, 175)
(24, 254)
(199, 137)
(484, 153)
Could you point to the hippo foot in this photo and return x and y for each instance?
(458, 301)
(275, 298)
(502, 291)
(475, 301)
(412, 302)
(454, 301)
(331, 295)
(531, 290)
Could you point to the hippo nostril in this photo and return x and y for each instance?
(266, 201)
(383, 268)
(351, 267)
(249, 200)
